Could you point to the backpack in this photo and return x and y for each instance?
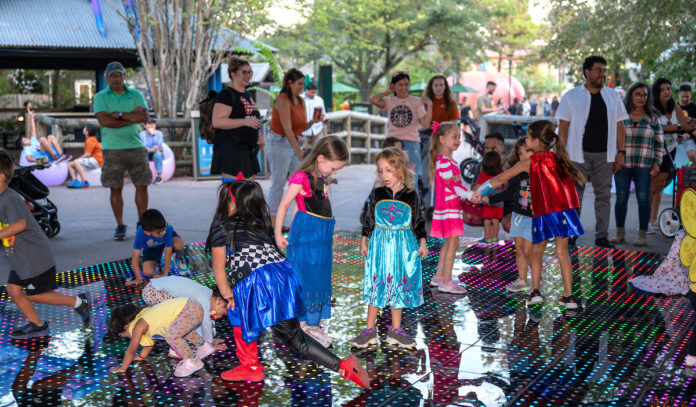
(205, 125)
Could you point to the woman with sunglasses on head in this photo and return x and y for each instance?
(644, 154)
(405, 113)
(674, 126)
(236, 121)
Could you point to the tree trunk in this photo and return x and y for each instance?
(55, 77)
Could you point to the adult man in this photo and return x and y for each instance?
(484, 102)
(554, 105)
(591, 126)
(546, 107)
(120, 110)
(526, 107)
(312, 102)
(688, 108)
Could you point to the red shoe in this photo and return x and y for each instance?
(353, 371)
(244, 373)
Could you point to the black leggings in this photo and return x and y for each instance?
(291, 334)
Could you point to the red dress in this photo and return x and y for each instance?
(489, 211)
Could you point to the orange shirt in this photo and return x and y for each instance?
(298, 118)
(440, 113)
(93, 147)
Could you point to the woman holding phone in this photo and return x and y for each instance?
(236, 121)
(288, 122)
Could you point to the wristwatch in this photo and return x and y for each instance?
(120, 115)
(622, 152)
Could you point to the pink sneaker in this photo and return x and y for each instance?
(451, 287)
(436, 281)
(188, 366)
(205, 350)
(172, 354)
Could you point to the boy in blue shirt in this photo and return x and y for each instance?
(32, 276)
(153, 140)
(154, 238)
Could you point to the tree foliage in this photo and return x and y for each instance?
(659, 35)
(509, 27)
(368, 39)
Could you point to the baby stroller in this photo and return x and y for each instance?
(669, 220)
(468, 166)
(35, 195)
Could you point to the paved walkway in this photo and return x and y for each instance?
(88, 224)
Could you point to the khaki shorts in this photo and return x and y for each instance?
(118, 162)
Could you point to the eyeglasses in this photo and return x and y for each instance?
(247, 73)
(640, 95)
(600, 70)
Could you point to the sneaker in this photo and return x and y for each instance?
(451, 287)
(85, 310)
(74, 184)
(172, 354)
(187, 366)
(353, 371)
(244, 373)
(400, 338)
(204, 351)
(181, 265)
(436, 281)
(158, 180)
(535, 298)
(569, 302)
(318, 334)
(483, 240)
(517, 286)
(690, 361)
(120, 233)
(653, 227)
(31, 330)
(84, 185)
(366, 338)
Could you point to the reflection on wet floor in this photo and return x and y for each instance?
(485, 348)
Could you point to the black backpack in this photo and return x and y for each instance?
(205, 125)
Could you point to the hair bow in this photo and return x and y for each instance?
(239, 177)
(435, 126)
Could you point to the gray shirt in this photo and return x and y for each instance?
(29, 252)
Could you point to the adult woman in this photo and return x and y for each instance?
(444, 110)
(405, 113)
(236, 122)
(673, 125)
(642, 159)
(288, 122)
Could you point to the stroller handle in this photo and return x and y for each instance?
(30, 168)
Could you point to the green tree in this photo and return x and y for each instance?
(510, 27)
(368, 39)
(659, 35)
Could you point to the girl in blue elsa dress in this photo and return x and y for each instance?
(393, 257)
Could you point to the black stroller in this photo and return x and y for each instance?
(35, 194)
(468, 166)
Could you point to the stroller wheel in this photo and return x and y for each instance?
(56, 227)
(669, 222)
(467, 169)
(47, 229)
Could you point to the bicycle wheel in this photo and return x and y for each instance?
(669, 222)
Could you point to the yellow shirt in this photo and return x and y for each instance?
(159, 317)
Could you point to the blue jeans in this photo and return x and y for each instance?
(412, 149)
(282, 161)
(641, 178)
(157, 158)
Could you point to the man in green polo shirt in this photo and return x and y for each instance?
(120, 111)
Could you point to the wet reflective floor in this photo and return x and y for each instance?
(485, 348)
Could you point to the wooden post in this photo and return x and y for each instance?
(368, 157)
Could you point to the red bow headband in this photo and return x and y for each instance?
(240, 177)
(435, 126)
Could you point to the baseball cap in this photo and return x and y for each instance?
(115, 67)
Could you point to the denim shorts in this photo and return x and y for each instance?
(521, 226)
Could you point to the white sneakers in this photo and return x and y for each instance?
(188, 366)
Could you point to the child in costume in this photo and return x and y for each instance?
(551, 175)
(310, 248)
(392, 263)
(175, 320)
(491, 165)
(518, 190)
(448, 220)
(261, 287)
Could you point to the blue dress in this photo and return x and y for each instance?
(392, 267)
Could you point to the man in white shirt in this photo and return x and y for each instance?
(591, 126)
(526, 107)
(312, 101)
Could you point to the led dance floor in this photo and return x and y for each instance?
(485, 348)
